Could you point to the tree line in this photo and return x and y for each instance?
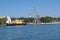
(45, 19)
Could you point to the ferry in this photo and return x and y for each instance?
(14, 22)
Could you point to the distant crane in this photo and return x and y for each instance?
(37, 16)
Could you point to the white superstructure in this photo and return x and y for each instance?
(8, 20)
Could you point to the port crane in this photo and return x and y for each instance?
(37, 16)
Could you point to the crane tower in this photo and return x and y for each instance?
(37, 16)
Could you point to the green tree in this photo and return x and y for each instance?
(47, 19)
(13, 18)
(29, 19)
(3, 20)
(22, 18)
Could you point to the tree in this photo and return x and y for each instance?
(47, 19)
(29, 19)
(3, 20)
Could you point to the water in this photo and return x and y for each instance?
(30, 32)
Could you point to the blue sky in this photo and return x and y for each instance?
(23, 8)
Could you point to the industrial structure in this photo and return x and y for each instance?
(37, 16)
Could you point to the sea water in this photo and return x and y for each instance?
(31, 32)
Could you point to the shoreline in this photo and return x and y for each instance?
(34, 23)
(45, 23)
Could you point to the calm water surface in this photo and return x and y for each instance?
(30, 32)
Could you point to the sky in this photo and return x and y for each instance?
(23, 8)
